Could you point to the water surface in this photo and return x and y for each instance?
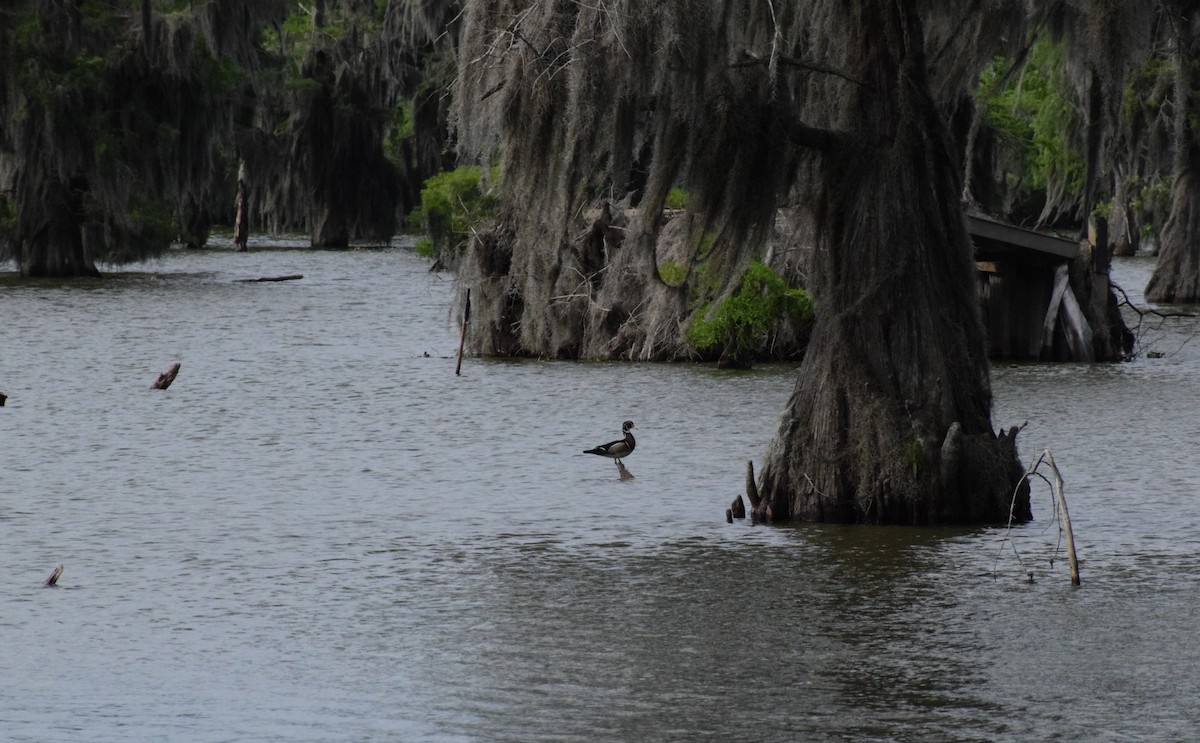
(319, 532)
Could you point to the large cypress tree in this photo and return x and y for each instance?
(841, 107)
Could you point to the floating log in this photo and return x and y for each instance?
(53, 579)
(164, 380)
(289, 277)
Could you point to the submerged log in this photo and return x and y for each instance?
(289, 277)
(164, 380)
(625, 474)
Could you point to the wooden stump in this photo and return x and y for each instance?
(164, 380)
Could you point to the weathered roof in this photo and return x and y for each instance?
(989, 234)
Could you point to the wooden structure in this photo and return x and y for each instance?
(1029, 307)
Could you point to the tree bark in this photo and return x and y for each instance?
(56, 249)
(890, 420)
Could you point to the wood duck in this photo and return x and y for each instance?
(620, 447)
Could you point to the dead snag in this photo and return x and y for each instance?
(240, 229)
(463, 339)
(164, 380)
(53, 579)
(737, 509)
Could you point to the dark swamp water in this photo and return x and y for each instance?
(319, 533)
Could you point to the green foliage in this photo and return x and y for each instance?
(222, 76)
(741, 323)
(152, 221)
(677, 198)
(672, 273)
(8, 217)
(452, 202)
(424, 247)
(1035, 119)
(914, 457)
(399, 132)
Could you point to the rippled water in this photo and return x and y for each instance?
(320, 533)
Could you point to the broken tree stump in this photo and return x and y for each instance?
(738, 508)
(164, 380)
(3, 397)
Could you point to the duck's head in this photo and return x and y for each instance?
(626, 426)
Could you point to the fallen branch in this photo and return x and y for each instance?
(164, 380)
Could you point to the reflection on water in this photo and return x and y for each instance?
(319, 532)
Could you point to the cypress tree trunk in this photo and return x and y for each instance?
(56, 247)
(890, 420)
(1177, 276)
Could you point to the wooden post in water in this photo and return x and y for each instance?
(53, 579)
(463, 339)
(240, 232)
